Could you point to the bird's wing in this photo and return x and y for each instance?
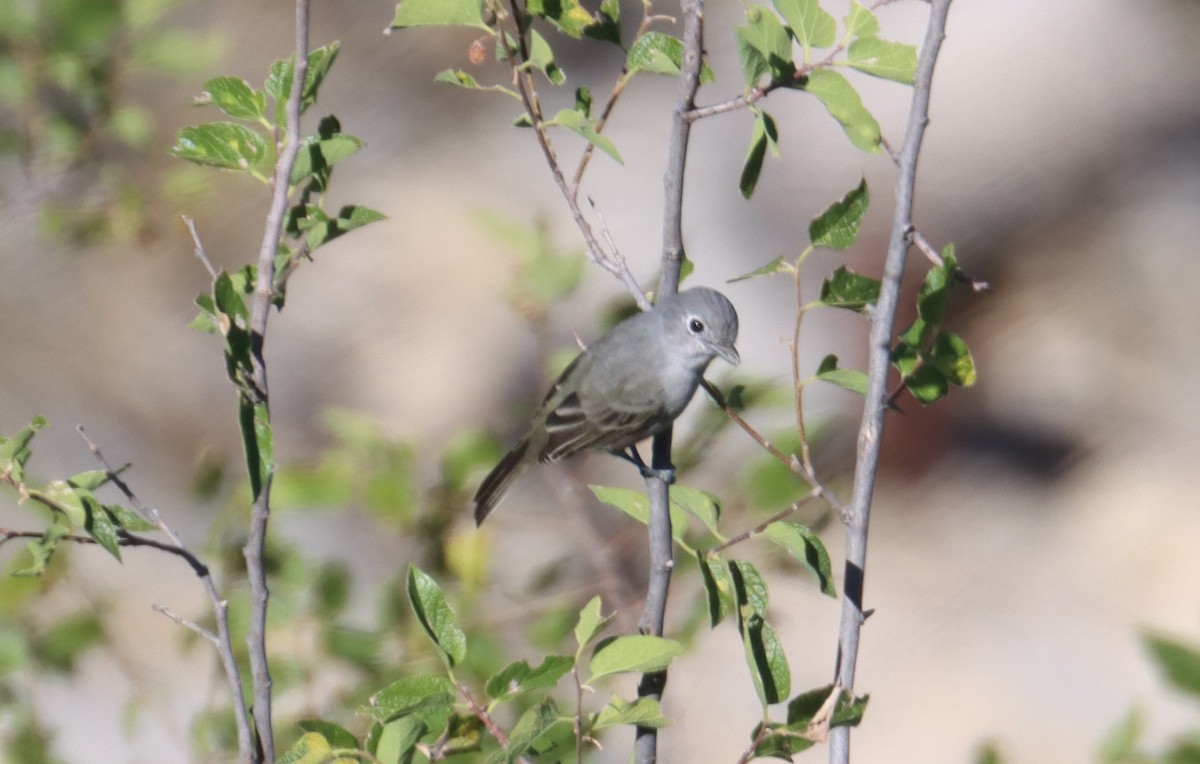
(573, 426)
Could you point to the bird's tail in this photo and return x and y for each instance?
(492, 489)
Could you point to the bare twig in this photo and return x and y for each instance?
(815, 493)
(611, 261)
(875, 407)
(791, 461)
(200, 630)
(220, 607)
(198, 246)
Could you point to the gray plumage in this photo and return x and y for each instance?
(627, 386)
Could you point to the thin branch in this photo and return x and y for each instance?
(203, 632)
(222, 640)
(481, 713)
(815, 493)
(883, 319)
(617, 89)
(523, 81)
(198, 247)
(922, 244)
(791, 461)
(797, 383)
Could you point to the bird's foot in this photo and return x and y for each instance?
(665, 474)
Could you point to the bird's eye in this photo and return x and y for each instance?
(695, 325)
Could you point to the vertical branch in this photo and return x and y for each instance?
(681, 128)
(870, 434)
(255, 398)
(661, 560)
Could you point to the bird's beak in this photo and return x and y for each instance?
(729, 354)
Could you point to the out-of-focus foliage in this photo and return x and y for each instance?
(73, 113)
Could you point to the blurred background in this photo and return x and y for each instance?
(1025, 531)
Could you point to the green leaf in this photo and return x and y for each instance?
(844, 104)
(764, 650)
(847, 712)
(785, 740)
(338, 736)
(578, 123)
(644, 712)
(935, 291)
(806, 547)
(701, 504)
(542, 58)
(848, 379)
(811, 25)
(608, 23)
(749, 587)
(321, 229)
(279, 79)
(310, 748)
(41, 550)
(14, 451)
(89, 480)
(568, 15)
(456, 77)
(127, 518)
(927, 384)
(888, 59)
(236, 98)
(718, 589)
(637, 505)
(395, 742)
(638, 653)
(1178, 661)
(950, 356)
(778, 265)
(764, 47)
(837, 227)
(98, 525)
(847, 289)
(764, 136)
(532, 725)
(517, 677)
(227, 145)
(429, 603)
(409, 695)
(65, 499)
(590, 622)
(257, 443)
(860, 21)
(428, 13)
(660, 53)
(318, 154)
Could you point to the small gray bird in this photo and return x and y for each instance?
(627, 386)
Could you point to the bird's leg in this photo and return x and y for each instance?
(631, 455)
